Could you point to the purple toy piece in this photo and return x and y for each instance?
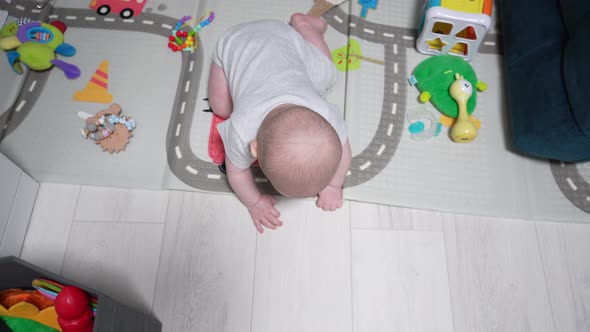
(71, 71)
(21, 34)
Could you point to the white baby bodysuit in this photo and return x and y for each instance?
(267, 64)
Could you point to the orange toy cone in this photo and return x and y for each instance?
(96, 89)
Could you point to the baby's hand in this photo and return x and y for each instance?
(330, 199)
(263, 212)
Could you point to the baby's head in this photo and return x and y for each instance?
(298, 150)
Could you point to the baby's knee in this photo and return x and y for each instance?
(308, 26)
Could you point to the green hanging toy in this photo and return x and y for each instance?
(35, 44)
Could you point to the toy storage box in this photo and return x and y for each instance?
(111, 316)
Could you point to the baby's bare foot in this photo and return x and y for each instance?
(330, 199)
(302, 21)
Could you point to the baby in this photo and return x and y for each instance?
(269, 79)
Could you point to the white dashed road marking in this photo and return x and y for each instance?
(191, 170)
(369, 31)
(365, 165)
(90, 18)
(20, 106)
(338, 19)
(381, 149)
(71, 18)
(214, 176)
(32, 87)
(178, 154)
(166, 26)
(178, 130)
(394, 108)
(148, 22)
(572, 184)
(390, 129)
(182, 107)
(187, 87)
(388, 35)
(109, 19)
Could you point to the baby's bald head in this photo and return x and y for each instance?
(298, 150)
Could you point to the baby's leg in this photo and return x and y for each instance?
(218, 91)
(312, 29)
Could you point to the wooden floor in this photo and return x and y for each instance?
(196, 262)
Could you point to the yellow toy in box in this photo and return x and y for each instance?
(27, 310)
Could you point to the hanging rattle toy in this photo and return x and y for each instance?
(453, 95)
(187, 40)
(36, 45)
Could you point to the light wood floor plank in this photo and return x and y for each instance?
(18, 222)
(206, 271)
(49, 229)
(496, 276)
(302, 279)
(215, 274)
(10, 176)
(125, 205)
(375, 216)
(564, 249)
(400, 282)
(118, 259)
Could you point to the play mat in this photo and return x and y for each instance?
(167, 119)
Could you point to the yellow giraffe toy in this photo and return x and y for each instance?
(463, 131)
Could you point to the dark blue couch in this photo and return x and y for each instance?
(547, 67)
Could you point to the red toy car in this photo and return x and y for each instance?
(125, 8)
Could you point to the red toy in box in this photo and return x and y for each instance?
(74, 313)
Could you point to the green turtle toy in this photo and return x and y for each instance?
(435, 76)
(36, 44)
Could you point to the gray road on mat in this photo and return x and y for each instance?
(202, 174)
(11, 118)
(572, 184)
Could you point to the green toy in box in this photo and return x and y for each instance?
(17, 324)
(434, 76)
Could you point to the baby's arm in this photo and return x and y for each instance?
(260, 207)
(330, 198)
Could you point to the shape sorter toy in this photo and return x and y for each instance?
(454, 27)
